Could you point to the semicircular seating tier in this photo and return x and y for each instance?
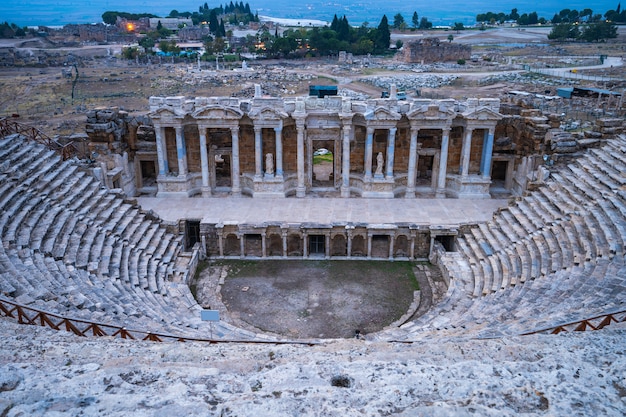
(71, 247)
(553, 257)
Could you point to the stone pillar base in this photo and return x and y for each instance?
(345, 192)
(301, 192)
(206, 191)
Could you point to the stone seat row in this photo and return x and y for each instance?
(71, 247)
(565, 296)
(78, 235)
(552, 256)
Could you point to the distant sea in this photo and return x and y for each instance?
(61, 12)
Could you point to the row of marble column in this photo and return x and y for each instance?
(485, 165)
(327, 244)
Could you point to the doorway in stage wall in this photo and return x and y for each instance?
(192, 233)
(317, 245)
(323, 168)
(221, 161)
(424, 170)
(148, 173)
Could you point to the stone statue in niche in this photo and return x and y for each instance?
(269, 164)
(379, 165)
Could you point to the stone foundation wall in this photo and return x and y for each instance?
(432, 50)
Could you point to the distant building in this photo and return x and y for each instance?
(193, 33)
(431, 50)
(170, 23)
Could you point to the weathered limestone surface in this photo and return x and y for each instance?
(43, 372)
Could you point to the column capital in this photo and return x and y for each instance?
(234, 130)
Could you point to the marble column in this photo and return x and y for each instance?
(443, 164)
(410, 181)
(412, 247)
(391, 146)
(258, 153)
(391, 244)
(327, 246)
(466, 152)
(300, 188)
(263, 244)
(369, 246)
(284, 236)
(345, 159)
(204, 163)
(220, 241)
(242, 245)
(485, 161)
(369, 145)
(161, 150)
(181, 150)
(305, 245)
(279, 151)
(349, 250)
(235, 172)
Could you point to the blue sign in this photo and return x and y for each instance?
(210, 315)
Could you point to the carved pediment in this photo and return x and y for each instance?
(218, 113)
(382, 114)
(431, 112)
(167, 113)
(482, 113)
(267, 113)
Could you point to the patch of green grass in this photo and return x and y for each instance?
(318, 159)
(339, 270)
(327, 79)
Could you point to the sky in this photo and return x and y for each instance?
(60, 12)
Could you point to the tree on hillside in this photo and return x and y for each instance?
(398, 20)
(335, 23)
(383, 36)
(415, 20)
(599, 31)
(214, 25)
(458, 26)
(425, 24)
(563, 32)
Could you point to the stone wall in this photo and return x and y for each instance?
(432, 50)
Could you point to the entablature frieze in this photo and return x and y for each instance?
(329, 112)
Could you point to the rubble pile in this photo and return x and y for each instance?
(411, 82)
(525, 78)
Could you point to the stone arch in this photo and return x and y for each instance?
(359, 246)
(231, 245)
(275, 245)
(338, 246)
(294, 245)
(401, 247)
